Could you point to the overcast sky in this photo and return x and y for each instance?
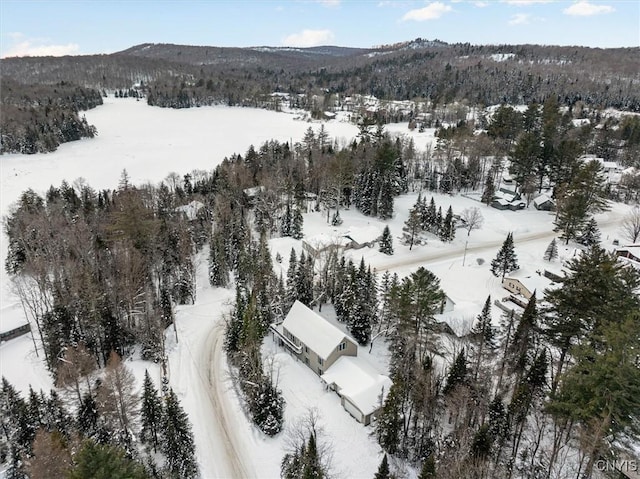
(55, 27)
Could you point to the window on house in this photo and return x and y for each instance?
(320, 361)
(342, 346)
(306, 349)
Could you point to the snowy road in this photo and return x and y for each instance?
(426, 256)
(198, 371)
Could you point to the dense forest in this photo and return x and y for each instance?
(546, 394)
(431, 72)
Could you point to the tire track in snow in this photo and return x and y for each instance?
(215, 371)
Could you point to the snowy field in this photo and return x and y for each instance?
(151, 142)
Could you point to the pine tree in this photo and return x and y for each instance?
(296, 224)
(428, 470)
(151, 413)
(489, 189)
(390, 420)
(591, 234)
(411, 229)
(484, 335)
(437, 222)
(524, 336)
(386, 242)
(96, 461)
(551, 252)
(385, 203)
(383, 469)
(447, 231)
(429, 217)
(457, 374)
(177, 440)
(506, 260)
(218, 265)
(285, 222)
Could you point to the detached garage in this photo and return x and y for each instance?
(362, 389)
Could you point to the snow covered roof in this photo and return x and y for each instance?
(542, 199)
(191, 210)
(324, 240)
(313, 330)
(364, 234)
(253, 191)
(359, 382)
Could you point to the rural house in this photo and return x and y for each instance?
(332, 355)
(314, 340)
(515, 286)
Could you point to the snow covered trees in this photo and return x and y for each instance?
(551, 252)
(177, 440)
(386, 242)
(584, 195)
(412, 228)
(506, 261)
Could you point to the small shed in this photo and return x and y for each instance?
(544, 203)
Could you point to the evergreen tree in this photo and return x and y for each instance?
(268, 408)
(95, 461)
(390, 420)
(457, 374)
(385, 204)
(591, 234)
(437, 223)
(336, 220)
(601, 390)
(524, 336)
(296, 224)
(87, 417)
(447, 231)
(506, 260)
(386, 242)
(312, 467)
(286, 221)
(151, 413)
(551, 252)
(597, 289)
(291, 279)
(428, 470)
(429, 218)
(218, 264)
(177, 440)
(489, 189)
(484, 335)
(411, 229)
(383, 469)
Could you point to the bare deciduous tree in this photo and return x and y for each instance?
(472, 218)
(117, 400)
(630, 227)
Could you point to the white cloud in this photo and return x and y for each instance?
(520, 19)
(26, 47)
(585, 9)
(481, 4)
(308, 38)
(430, 12)
(526, 2)
(329, 3)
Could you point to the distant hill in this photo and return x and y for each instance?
(182, 76)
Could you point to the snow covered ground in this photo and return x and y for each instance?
(151, 142)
